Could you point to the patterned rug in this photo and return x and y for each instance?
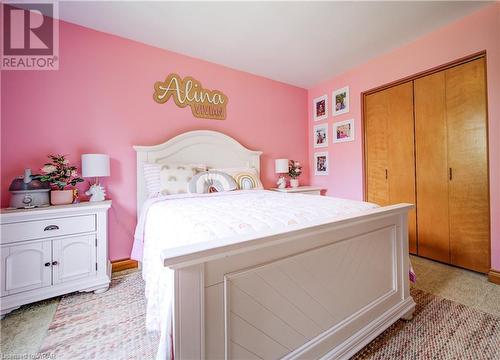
(440, 329)
(103, 326)
(111, 326)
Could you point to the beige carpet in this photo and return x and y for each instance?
(460, 285)
(23, 330)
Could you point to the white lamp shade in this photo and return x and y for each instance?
(281, 166)
(95, 165)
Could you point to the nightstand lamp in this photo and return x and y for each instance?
(95, 166)
(281, 167)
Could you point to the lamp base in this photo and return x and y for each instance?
(96, 193)
(281, 182)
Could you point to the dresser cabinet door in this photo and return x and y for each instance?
(73, 258)
(26, 267)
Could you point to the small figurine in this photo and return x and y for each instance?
(96, 193)
(281, 182)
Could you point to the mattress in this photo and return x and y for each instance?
(178, 220)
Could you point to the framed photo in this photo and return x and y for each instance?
(340, 99)
(320, 136)
(321, 163)
(320, 108)
(343, 131)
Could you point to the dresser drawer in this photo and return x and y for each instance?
(40, 229)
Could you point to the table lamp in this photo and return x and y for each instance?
(95, 166)
(281, 167)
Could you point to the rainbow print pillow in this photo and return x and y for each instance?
(246, 178)
(211, 181)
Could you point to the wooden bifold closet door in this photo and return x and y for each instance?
(390, 162)
(452, 166)
(426, 143)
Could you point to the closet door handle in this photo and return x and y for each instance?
(451, 174)
(386, 174)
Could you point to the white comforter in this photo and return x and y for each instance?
(177, 220)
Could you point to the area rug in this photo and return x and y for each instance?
(111, 326)
(440, 329)
(103, 326)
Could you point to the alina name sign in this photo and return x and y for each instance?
(206, 104)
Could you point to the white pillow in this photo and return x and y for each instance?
(246, 178)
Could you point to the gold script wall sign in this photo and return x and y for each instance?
(206, 104)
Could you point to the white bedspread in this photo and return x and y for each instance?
(177, 220)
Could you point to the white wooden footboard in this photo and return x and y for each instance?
(323, 291)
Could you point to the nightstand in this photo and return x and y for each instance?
(54, 250)
(309, 190)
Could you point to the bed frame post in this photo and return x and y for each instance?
(189, 311)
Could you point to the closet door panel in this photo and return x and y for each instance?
(389, 150)
(432, 167)
(376, 148)
(467, 158)
(401, 152)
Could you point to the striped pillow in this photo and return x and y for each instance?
(246, 178)
(211, 181)
(152, 178)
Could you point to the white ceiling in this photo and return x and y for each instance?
(299, 43)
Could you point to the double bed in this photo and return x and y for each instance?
(255, 274)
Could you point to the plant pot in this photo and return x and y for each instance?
(294, 183)
(61, 197)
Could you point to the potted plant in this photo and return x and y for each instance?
(294, 171)
(61, 175)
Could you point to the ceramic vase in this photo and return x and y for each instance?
(61, 197)
(294, 183)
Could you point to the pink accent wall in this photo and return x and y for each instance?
(101, 100)
(476, 32)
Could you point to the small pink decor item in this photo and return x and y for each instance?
(60, 174)
(294, 171)
(61, 197)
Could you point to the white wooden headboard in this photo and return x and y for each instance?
(207, 147)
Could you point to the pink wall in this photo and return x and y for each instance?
(477, 32)
(101, 101)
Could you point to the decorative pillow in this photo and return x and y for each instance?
(211, 181)
(246, 178)
(152, 178)
(174, 178)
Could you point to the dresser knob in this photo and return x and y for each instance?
(54, 263)
(47, 264)
(51, 227)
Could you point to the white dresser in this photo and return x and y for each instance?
(52, 251)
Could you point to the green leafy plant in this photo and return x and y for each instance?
(294, 169)
(59, 172)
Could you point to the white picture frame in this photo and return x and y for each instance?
(321, 163)
(320, 108)
(320, 136)
(343, 131)
(340, 101)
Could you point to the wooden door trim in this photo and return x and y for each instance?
(364, 94)
(494, 276)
